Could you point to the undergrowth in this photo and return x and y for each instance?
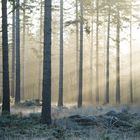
(21, 127)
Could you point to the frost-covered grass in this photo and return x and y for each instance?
(24, 124)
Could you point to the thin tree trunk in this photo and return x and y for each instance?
(118, 59)
(97, 51)
(91, 62)
(60, 98)
(13, 53)
(23, 47)
(105, 57)
(46, 90)
(6, 89)
(17, 96)
(131, 77)
(40, 50)
(77, 46)
(81, 57)
(107, 60)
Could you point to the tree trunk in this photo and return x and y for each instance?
(81, 57)
(97, 51)
(23, 46)
(13, 53)
(17, 96)
(118, 59)
(46, 90)
(91, 62)
(107, 60)
(6, 90)
(60, 98)
(77, 46)
(131, 76)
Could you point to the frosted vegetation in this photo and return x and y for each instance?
(72, 123)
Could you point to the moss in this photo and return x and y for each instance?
(137, 127)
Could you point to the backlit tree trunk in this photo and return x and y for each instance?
(91, 60)
(77, 47)
(17, 96)
(81, 57)
(97, 51)
(60, 97)
(107, 60)
(23, 47)
(6, 90)
(118, 59)
(46, 90)
(131, 76)
(13, 52)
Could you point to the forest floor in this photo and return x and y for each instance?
(70, 123)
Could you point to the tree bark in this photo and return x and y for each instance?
(77, 47)
(91, 61)
(131, 76)
(13, 52)
(97, 51)
(17, 96)
(118, 59)
(60, 98)
(23, 47)
(6, 89)
(107, 60)
(46, 90)
(81, 57)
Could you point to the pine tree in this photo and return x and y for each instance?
(46, 90)
(60, 97)
(81, 57)
(6, 90)
(17, 96)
